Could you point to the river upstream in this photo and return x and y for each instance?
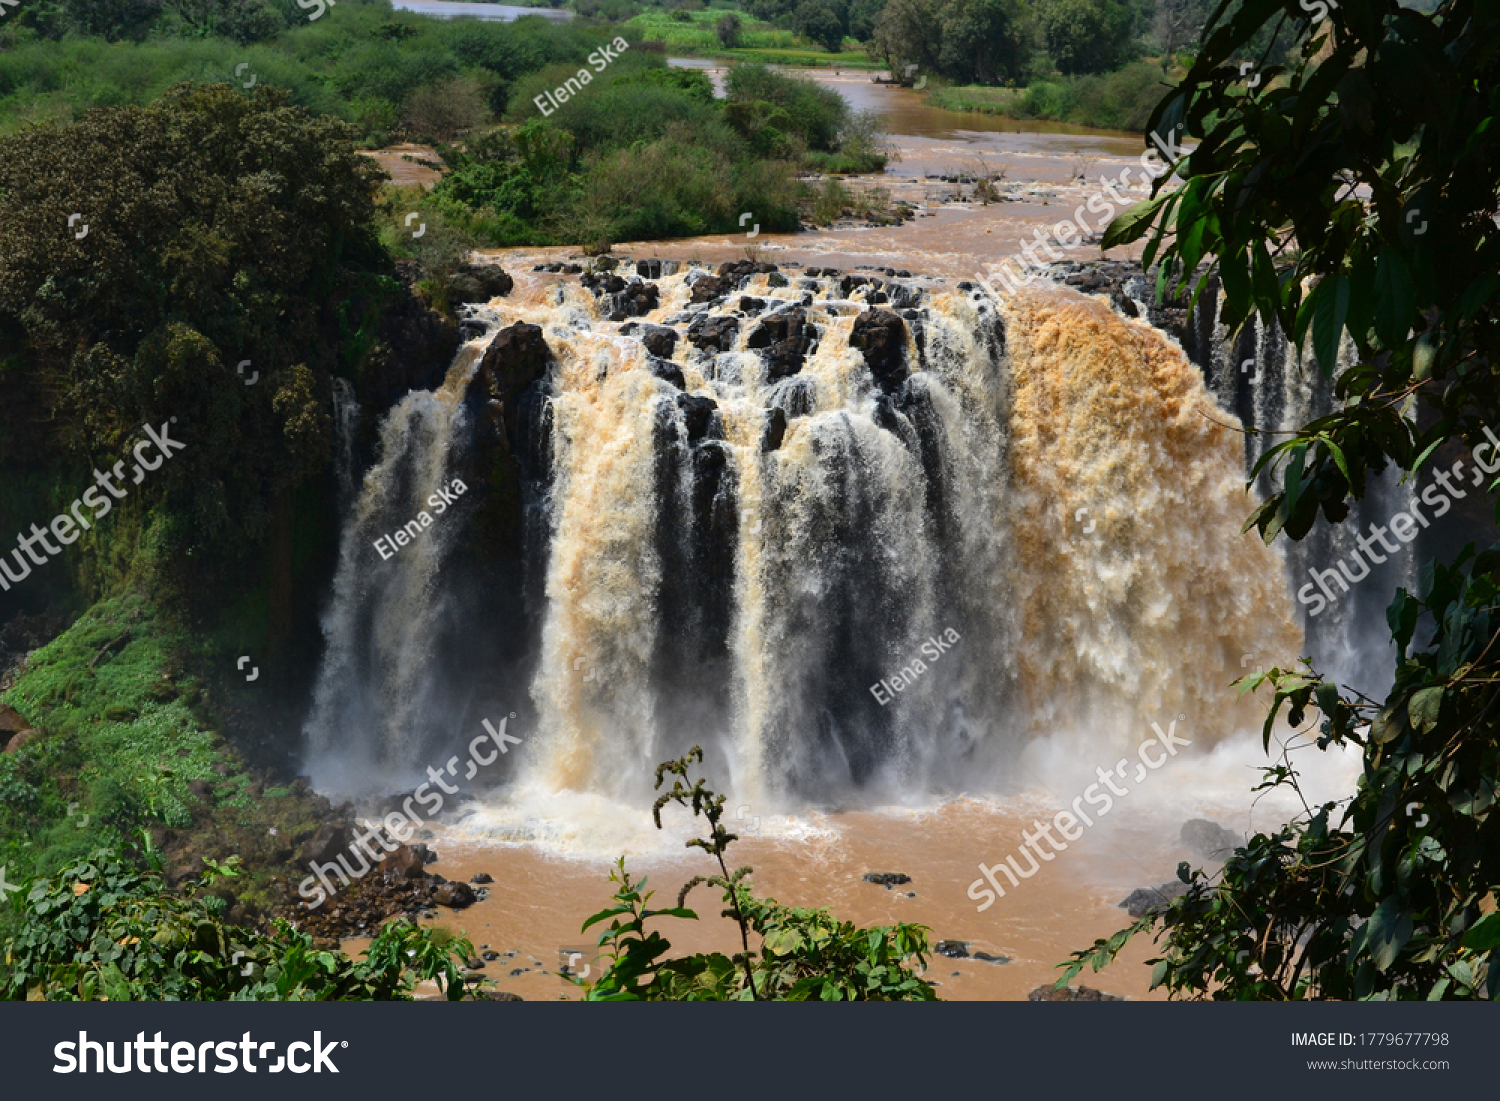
(1041, 543)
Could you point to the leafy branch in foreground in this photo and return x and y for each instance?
(804, 954)
(1388, 899)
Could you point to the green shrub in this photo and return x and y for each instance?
(100, 930)
(804, 955)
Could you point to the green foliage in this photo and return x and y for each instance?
(802, 108)
(697, 32)
(1354, 200)
(969, 41)
(804, 954)
(1387, 898)
(727, 30)
(222, 228)
(1086, 36)
(646, 152)
(100, 930)
(113, 703)
(1122, 100)
(370, 66)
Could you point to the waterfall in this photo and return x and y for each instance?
(381, 699)
(861, 538)
(345, 423)
(1274, 389)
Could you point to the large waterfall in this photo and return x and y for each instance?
(861, 538)
(1274, 389)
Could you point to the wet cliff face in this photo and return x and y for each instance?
(825, 524)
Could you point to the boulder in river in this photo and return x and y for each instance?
(478, 283)
(880, 336)
(1143, 899)
(887, 879)
(453, 895)
(1209, 839)
(1049, 993)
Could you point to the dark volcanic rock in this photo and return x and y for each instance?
(603, 284)
(784, 338)
(985, 957)
(1143, 899)
(648, 269)
(414, 348)
(1071, 994)
(404, 863)
(478, 283)
(712, 288)
(698, 414)
(741, 268)
(716, 334)
(482, 877)
(953, 949)
(887, 879)
(659, 340)
(667, 372)
(636, 300)
(454, 895)
(325, 845)
(775, 430)
(516, 358)
(881, 336)
(1210, 839)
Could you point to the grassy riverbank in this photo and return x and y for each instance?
(1121, 100)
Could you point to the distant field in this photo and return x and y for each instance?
(758, 41)
(699, 34)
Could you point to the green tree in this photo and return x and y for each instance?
(1354, 198)
(727, 30)
(983, 40)
(1087, 36)
(908, 32)
(821, 21)
(221, 228)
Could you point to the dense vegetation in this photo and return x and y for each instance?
(1356, 201)
(650, 153)
(221, 228)
(101, 930)
(389, 74)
